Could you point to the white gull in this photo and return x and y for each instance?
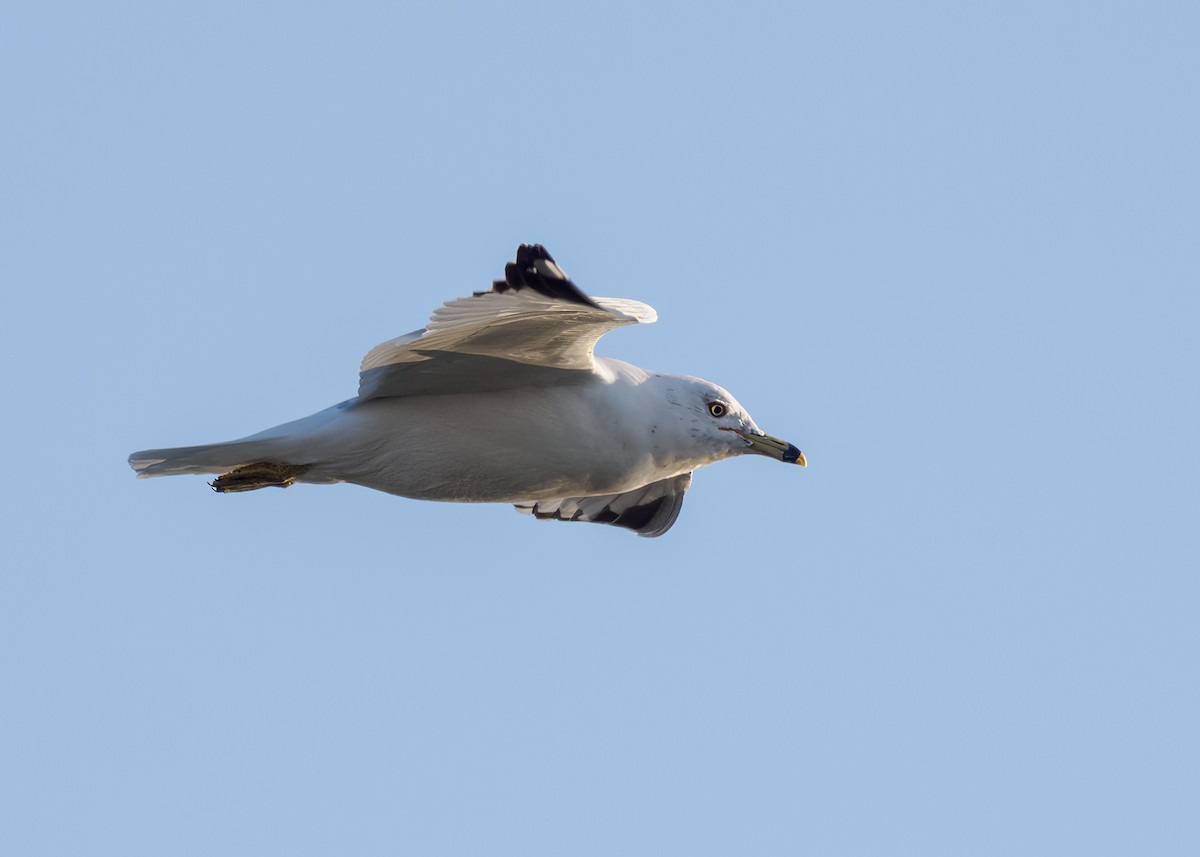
(500, 399)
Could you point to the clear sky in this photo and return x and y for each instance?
(947, 249)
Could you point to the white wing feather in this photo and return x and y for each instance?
(524, 328)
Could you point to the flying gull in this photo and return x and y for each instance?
(500, 399)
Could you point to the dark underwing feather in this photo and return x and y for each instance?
(648, 511)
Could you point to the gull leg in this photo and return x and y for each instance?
(263, 474)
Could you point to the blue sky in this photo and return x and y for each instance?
(948, 250)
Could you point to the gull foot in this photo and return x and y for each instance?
(264, 474)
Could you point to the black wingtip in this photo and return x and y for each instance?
(527, 254)
(647, 519)
(534, 268)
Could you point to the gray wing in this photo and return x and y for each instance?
(648, 511)
(534, 327)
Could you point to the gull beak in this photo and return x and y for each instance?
(773, 447)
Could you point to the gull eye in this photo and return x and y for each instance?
(717, 409)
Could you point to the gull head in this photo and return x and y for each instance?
(719, 423)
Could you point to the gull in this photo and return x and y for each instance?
(500, 399)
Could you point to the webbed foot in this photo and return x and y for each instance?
(264, 474)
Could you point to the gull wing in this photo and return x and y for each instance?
(648, 511)
(534, 327)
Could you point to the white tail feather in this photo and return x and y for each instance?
(213, 458)
(283, 444)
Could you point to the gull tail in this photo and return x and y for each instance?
(210, 458)
(277, 456)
